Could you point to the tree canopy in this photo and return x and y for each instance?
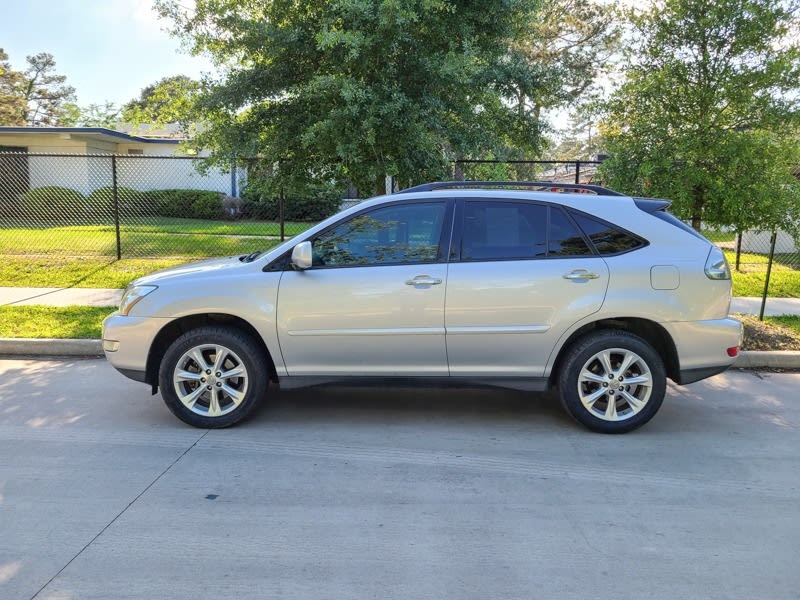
(168, 100)
(34, 96)
(708, 114)
(359, 89)
(12, 104)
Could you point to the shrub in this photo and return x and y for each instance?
(53, 203)
(131, 203)
(188, 204)
(314, 203)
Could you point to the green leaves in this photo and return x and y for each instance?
(35, 96)
(358, 89)
(709, 113)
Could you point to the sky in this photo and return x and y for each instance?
(108, 49)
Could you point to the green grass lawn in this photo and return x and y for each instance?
(149, 237)
(790, 321)
(91, 272)
(784, 281)
(61, 322)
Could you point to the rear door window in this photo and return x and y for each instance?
(503, 231)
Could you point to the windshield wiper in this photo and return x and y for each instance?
(251, 257)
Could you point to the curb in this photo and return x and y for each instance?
(774, 359)
(10, 347)
(49, 347)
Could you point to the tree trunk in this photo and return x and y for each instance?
(380, 185)
(699, 194)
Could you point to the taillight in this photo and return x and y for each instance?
(733, 351)
(717, 265)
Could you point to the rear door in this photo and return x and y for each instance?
(520, 274)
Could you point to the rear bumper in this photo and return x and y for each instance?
(702, 347)
(691, 375)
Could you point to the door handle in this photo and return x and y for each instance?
(423, 280)
(580, 274)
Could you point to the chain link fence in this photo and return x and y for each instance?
(138, 206)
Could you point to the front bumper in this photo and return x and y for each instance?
(127, 342)
(702, 346)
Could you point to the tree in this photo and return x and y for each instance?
(708, 115)
(354, 90)
(69, 115)
(12, 103)
(571, 43)
(168, 100)
(44, 91)
(97, 115)
(582, 140)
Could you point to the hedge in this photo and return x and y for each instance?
(131, 203)
(187, 204)
(316, 203)
(53, 203)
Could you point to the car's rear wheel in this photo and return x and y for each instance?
(213, 377)
(612, 381)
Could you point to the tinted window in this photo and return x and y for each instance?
(503, 230)
(564, 237)
(606, 238)
(408, 233)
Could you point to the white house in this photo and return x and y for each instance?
(80, 158)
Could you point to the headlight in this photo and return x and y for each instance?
(132, 295)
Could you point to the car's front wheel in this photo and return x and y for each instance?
(213, 377)
(612, 381)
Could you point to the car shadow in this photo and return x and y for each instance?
(335, 403)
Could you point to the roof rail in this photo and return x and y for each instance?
(542, 186)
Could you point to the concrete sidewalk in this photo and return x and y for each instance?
(19, 296)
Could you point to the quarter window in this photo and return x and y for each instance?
(606, 238)
(403, 234)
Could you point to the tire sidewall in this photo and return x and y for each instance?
(236, 341)
(587, 347)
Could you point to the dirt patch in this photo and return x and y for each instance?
(763, 335)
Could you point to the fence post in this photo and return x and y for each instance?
(234, 191)
(115, 193)
(738, 249)
(769, 272)
(458, 171)
(577, 172)
(282, 204)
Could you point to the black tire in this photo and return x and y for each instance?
(242, 352)
(632, 414)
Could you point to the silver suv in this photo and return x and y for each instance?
(577, 287)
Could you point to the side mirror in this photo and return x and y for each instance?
(301, 256)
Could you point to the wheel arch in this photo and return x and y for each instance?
(174, 329)
(650, 331)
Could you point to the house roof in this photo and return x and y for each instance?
(102, 133)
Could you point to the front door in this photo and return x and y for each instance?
(372, 304)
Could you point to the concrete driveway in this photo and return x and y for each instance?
(357, 493)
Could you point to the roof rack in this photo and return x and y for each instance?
(542, 186)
